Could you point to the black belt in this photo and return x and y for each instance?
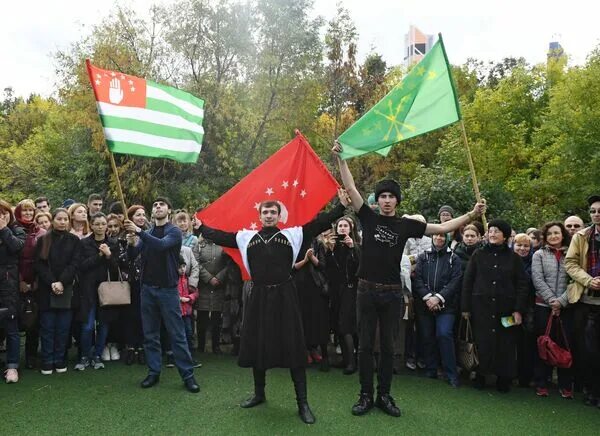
(380, 286)
(264, 285)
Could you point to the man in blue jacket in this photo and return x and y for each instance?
(159, 248)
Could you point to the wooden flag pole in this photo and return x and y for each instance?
(119, 190)
(472, 169)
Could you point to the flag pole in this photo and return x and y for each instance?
(119, 189)
(88, 67)
(464, 133)
(472, 169)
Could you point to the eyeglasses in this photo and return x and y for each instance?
(593, 211)
(573, 226)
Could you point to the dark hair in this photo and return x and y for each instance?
(537, 234)
(565, 234)
(58, 210)
(353, 230)
(93, 197)
(96, 216)
(41, 200)
(270, 203)
(116, 207)
(164, 200)
(471, 227)
(47, 238)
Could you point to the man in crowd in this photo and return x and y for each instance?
(379, 288)
(272, 331)
(159, 248)
(94, 204)
(42, 204)
(583, 266)
(573, 224)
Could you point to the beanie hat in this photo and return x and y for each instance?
(164, 200)
(387, 185)
(371, 199)
(501, 225)
(446, 208)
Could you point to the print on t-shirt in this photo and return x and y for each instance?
(384, 235)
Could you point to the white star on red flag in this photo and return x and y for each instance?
(285, 184)
(295, 183)
(98, 82)
(132, 89)
(303, 193)
(269, 191)
(253, 226)
(256, 206)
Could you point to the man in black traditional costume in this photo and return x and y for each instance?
(272, 332)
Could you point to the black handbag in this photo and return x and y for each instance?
(28, 316)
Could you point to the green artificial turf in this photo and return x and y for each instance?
(110, 401)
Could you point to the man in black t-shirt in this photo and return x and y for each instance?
(379, 296)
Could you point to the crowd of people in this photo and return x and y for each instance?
(358, 288)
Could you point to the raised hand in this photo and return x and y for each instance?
(115, 93)
(343, 196)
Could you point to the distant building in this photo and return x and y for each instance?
(417, 44)
(555, 50)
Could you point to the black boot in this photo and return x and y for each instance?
(299, 378)
(348, 353)
(259, 390)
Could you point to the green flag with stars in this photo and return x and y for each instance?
(423, 101)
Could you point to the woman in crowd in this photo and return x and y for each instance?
(56, 261)
(99, 261)
(43, 220)
(471, 241)
(313, 295)
(550, 280)
(341, 260)
(132, 317)
(78, 216)
(12, 241)
(182, 219)
(213, 265)
(495, 286)
(526, 336)
(436, 287)
(24, 214)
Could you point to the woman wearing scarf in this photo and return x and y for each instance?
(24, 214)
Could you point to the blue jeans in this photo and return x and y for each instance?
(437, 332)
(55, 327)
(188, 322)
(13, 342)
(372, 307)
(87, 332)
(164, 303)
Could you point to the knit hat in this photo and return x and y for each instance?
(371, 199)
(501, 225)
(387, 185)
(446, 208)
(68, 203)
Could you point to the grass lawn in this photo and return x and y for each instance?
(110, 401)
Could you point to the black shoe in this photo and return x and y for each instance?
(196, 364)
(386, 403)
(254, 400)
(363, 405)
(305, 413)
(30, 362)
(170, 361)
(130, 356)
(350, 369)
(150, 381)
(191, 385)
(478, 382)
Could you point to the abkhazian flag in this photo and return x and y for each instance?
(423, 101)
(294, 176)
(144, 118)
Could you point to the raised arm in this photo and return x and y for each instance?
(347, 179)
(456, 223)
(219, 237)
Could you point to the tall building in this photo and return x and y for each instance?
(417, 44)
(555, 50)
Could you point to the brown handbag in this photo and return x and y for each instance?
(117, 293)
(467, 350)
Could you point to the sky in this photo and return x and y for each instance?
(31, 31)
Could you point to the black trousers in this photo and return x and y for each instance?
(203, 321)
(587, 346)
(298, 377)
(373, 306)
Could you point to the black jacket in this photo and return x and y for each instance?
(61, 265)
(93, 270)
(12, 241)
(438, 273)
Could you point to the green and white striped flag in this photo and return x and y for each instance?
(144, 118)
